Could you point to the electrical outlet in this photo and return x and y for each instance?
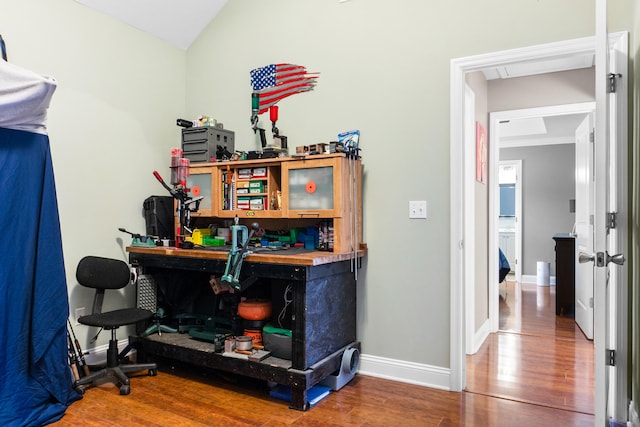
(418, 209)
(79, 313)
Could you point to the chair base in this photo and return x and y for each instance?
(114, 371)
(116, 375)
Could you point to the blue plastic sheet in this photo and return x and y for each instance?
(36, 385)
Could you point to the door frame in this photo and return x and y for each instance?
(459, 250)
(517, 267)
(469, 226)
(611, 302)
(494, 201)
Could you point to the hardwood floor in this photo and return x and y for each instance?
(509, 370)
(537, 357)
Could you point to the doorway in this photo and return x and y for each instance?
(546, 157)
(459, 251)
(526, 328)
(510, 214)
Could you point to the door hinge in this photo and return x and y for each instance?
(592, 136)
(591, 302)
(612, 82)
(610, 357)
(611, 219)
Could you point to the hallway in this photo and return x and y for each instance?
(536, 357)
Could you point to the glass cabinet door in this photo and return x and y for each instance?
(311, 188)
(200, 184)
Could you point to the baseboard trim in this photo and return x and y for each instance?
(404, 371)
(481, 335)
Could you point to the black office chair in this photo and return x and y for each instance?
(101, 274)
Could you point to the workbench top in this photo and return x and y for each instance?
(306, 258)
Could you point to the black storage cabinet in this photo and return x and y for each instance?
(565, 274)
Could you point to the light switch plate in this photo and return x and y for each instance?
(418, 209)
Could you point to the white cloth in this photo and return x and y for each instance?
(24, 98)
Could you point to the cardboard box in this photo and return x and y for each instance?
(256, 185)
(318, 148)
(244, 173)
(259, 172)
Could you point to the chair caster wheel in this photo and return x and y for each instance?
(125, 389)
(153, 372)
(80, 389)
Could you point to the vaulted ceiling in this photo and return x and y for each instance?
(176, 22)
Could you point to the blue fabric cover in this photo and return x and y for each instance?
(504, 267)
(36, 385)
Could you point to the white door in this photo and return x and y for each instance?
(610, 302)
(617, 236)
(584, 226)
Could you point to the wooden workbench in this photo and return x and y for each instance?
(306, 258)
(323, 311)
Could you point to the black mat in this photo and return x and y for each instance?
(280, 250)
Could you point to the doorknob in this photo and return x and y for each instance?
(599, 258)
(584, 257)
(616, 259)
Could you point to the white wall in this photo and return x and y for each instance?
(384, 70)
(542, 90)
(111, 123)
(548, 183)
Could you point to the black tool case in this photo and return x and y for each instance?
(158, 216)
(206, 143)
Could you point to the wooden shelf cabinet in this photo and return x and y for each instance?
(249, 182)
(323, 187)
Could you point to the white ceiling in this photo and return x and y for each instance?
(548, 130)
(528, 68)
(178, 23)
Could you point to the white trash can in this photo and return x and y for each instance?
(543, 273)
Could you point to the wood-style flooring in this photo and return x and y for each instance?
(536, 357)
(509, 370)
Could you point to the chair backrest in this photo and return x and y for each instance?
(102, 273)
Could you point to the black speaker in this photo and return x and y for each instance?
(158, 215)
